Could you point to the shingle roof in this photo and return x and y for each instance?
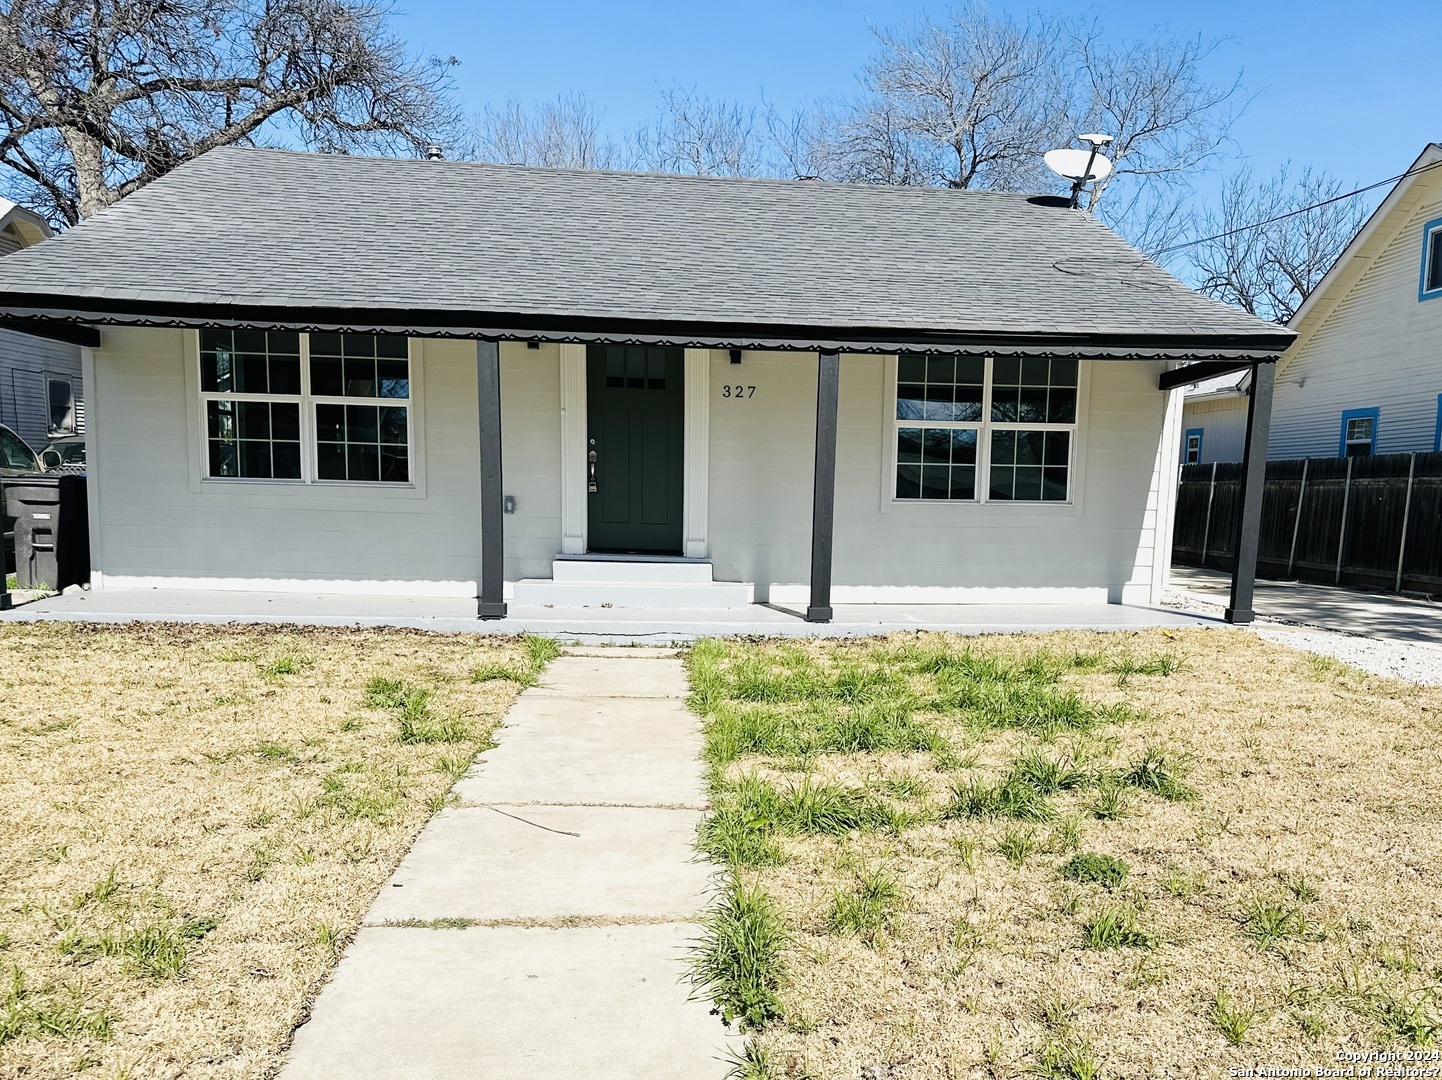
(496, 245)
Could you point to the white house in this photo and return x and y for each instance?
(332, 373)
(1364, 375)
(41, 392)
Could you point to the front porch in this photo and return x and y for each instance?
(591, 625)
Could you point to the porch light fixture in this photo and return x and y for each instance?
(736, 356)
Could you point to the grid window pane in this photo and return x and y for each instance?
(253, 439)
(249, 362)
(936, 463)
(1434, 261)
(359, 365)
(362, 442)
(1029, 466)
(939, 387)
(1033, 390)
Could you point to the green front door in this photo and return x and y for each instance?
(635, 422)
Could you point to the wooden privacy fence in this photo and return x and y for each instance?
(1371, 521)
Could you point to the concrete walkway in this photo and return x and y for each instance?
(539, 930)
(1383, 616)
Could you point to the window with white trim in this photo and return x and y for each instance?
(1192, 454)
(1359, 436)
(306, 407)
(60, 403)
(1009, 420)
(1432, 260)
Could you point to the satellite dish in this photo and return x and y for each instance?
(1084, 166)
(1081, 167)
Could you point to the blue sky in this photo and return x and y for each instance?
(1350, 87)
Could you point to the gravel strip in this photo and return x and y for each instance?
(1417, 662)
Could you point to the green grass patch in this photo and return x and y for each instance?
(1156, 771)
(1089, 866)
(737, 962)
(1267, 924)
(1232, 1018)
(1013, 798)
(1115, 927)
(416, 721)
(1070, 1058)
(865, 910)
(52, 1012)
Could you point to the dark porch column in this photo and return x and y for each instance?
(1254, 474)
(492, 604)
(823, 498)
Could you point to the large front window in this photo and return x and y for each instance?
(306, 407)
(978, 429)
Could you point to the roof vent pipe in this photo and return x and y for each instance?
(435, 153)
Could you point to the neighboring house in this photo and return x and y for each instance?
(1214, 420)
(340, 374)
(41, 393)
(1365, 373)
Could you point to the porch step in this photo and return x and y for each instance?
(630, 582)
(629, 568)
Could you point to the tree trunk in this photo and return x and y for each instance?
(94, 194)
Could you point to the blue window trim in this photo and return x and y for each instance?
(1423, 293)
(1358, 414)
(1198, 432)
(1437, 435)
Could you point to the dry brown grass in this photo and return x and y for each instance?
(1317, 796)
(196, 819)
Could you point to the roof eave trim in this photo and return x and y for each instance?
(511, 326)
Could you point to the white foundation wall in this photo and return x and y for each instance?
(1100, 548)
(155, 523)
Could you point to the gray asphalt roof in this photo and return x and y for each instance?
(281, 229)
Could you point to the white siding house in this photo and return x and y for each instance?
(569, 388)
(1367, 362)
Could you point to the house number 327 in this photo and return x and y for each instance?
(729, 391)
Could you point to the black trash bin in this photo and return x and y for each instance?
(52, 530)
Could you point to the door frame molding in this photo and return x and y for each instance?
(696, 440)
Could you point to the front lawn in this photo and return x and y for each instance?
(196, 819)
(1068, 855)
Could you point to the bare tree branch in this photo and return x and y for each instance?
(1270, 270)
(99, 97)
(701, 136)
(564, 133)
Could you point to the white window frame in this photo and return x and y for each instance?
(1430, 231)
(1369, 441)
(984, 428)
(309, 447)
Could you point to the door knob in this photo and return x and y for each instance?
(591, 486)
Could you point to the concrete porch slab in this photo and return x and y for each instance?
(474, 863)
(603, 677)
(604, 751)
(587, 625)
(511, 1004)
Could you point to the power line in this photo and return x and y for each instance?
(1295, 213)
